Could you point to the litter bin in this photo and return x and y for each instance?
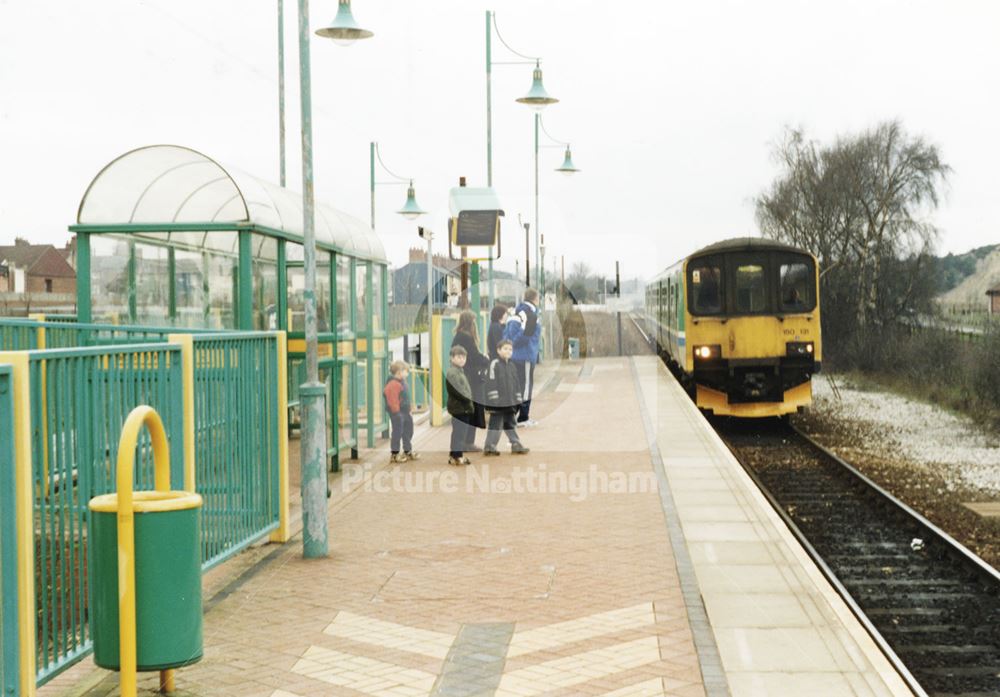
(158, 558)
(168, 605)
(574, 348)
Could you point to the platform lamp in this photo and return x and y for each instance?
(410, 210)
(537, 98)
(344, 31)
(567, 168)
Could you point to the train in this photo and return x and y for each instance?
(738, 322)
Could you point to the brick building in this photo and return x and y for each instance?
(35, 276)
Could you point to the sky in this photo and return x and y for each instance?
(672, 108)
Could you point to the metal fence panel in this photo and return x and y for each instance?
(236, 440)
(9, 640)
(79, 401)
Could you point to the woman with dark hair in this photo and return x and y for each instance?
(498, 318)
(467, 336)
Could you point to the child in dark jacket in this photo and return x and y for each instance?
(397, 401)
(498, 318)
(460, 406)
(503, 398)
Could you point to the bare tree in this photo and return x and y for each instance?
(862, 205)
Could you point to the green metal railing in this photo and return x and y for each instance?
(29, 334)
(236, 440)
(18, 334)
(9, 640)
(79, 401)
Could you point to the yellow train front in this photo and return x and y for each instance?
(739, 323)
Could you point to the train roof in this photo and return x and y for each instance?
(748, 244)
(737, 244)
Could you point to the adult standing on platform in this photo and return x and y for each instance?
(467, 336)
(524, 329)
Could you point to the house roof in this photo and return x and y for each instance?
(37, 260)
(995, 290)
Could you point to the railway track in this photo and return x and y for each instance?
(931, 605)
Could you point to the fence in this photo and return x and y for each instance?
(223, 401)
(79, 399)
(237, 436)
(31, 334)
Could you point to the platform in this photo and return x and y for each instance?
(627, 555)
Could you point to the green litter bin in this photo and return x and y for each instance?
(168, 605)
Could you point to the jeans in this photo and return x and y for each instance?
(461, 434)
(402, 429)
(507, 420)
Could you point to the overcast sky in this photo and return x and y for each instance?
(671, 107)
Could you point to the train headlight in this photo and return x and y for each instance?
(707, 353)
(800, 348)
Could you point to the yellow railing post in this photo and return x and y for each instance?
(23, 495)
(140, 416)
(282, 533)
(186, 342)
(437, 388)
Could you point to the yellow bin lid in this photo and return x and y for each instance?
(148, 502)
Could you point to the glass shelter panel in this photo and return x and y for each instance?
(361, 297)
(342, 317)
(378, 308)
(222, 275)
(297, 296)
(152, 285)
(264, 263)
(109, 278)
(191, 289)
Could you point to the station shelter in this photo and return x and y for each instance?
(169, 237)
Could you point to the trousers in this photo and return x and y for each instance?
(526, 373)
(506, 420)
(402, 430)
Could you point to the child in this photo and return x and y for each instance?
(503, 398)
(460, 406)
(397, 401)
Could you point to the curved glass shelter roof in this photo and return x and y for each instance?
(173, 189)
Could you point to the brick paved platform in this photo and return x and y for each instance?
(572, 570)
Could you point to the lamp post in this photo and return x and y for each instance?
(567, 168)
(410, 209)
(315, 542)
(537, 98)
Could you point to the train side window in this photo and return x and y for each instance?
(796, 289)
(705, 282)
(751, 288)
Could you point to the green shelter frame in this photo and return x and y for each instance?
(169, 237)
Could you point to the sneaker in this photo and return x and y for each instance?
(530, 423)
(466, 461)
(490, 451)
(456, 461)
(519, 449)
(398, 458)
(412, 455)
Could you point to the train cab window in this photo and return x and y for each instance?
(705, 283)
(750, 286)
(797, 286)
